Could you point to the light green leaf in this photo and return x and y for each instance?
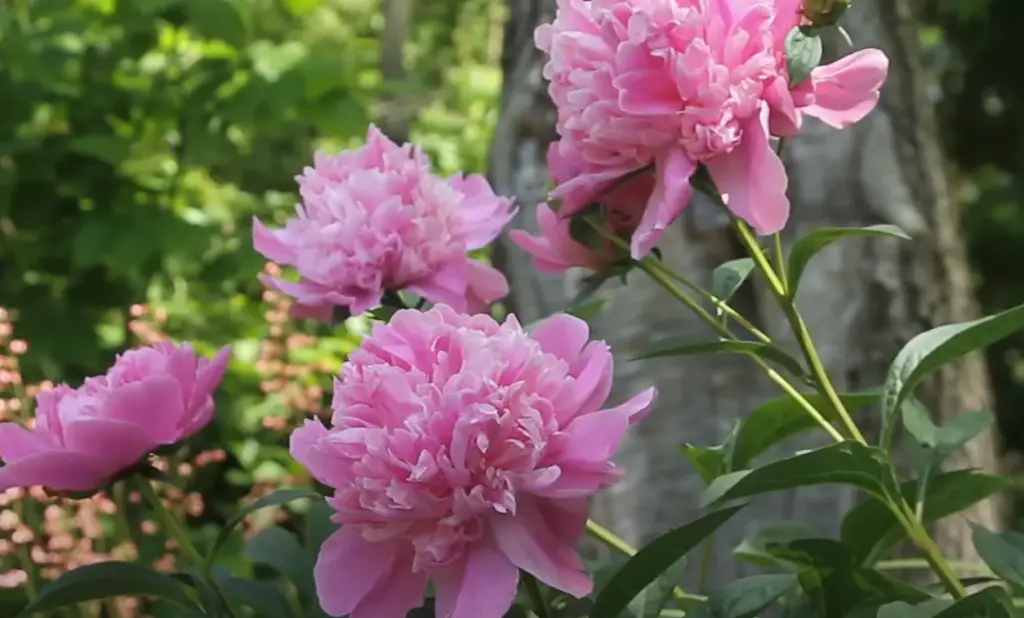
(728, 277)
(745, 598)
(899, 609)
(710, 463)
(219, 20)
(811, 244)
(104, 580)
(654, 559)
(689, 347)
(755, 548)
(107, 148)
(930, 350)
(846, 463)
(1003, 552)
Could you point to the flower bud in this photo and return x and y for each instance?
(825, 12)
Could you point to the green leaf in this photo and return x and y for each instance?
(654, 559)
(803, 53)
(846, 463)
(318, 525)
(745, 598)
(650, 602)
(728, 277)
(587, 310)
(710, 463)
(104, 580)
(938, 443)
(871, 530)
(277, 498)
(812, 244)
(280, 549)
(218, 19)
(263, 596)
(899, 609)
(991, 602)
(688, 347)
(1003, 552)
(931, 350)
(782, 418)
(107, 148)
(755, 548)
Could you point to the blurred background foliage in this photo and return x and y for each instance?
(138, 138)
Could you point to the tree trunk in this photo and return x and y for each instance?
(862, 299)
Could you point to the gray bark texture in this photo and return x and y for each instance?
(862, 299)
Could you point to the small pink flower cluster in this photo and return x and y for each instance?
(676, 85)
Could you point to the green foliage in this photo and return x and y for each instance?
(687, 347)
(808, 246)
(107, 579)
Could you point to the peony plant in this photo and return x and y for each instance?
(455, 470)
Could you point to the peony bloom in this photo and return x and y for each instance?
(555, 250)
(376, 219)
(679, 83)
(462, 450)
(85, 436)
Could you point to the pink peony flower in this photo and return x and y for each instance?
(555, 250)
(678, 83)
(376, 219)
(461, 451)
(85, 436)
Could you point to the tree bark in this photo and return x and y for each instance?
(862, 299)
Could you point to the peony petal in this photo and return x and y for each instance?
(647, 93)
(446, 285)
(402, 591)
(17, 442)
(594, 438)
(671, 195)
(58, 469)
(485, 285)
(118, 443)
(321, 313)
(528, 542)
(567, 519)
(784, 119)
(753, 180)
(562, 335)
(208, 377)
(154, 403)
(266, 242)
(348, 569)
(788, 15)
(481, 586)
(848, 89)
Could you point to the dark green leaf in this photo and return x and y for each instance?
(745, 598)
(107, 148)
(218, 19)
(811, 244)
(728, 277)
(689, 347)
(277, 498)
(931, 350)
(899, 609)
(938, 443)
(846, 463)
(318, 525)
(654, 559)
(280, 549)
(991, 602)
(1003, 552)
(263, 596)
(650, 602)
(782, 418)
(755, 548)
(104, 580)
(871, 530)
(803, 53)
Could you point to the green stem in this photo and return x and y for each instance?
(803, 335)
(540, 606)
(780, 261)
(175, 531)
(654, 270)
(705, 564)
(920, 537)
(719, 304)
